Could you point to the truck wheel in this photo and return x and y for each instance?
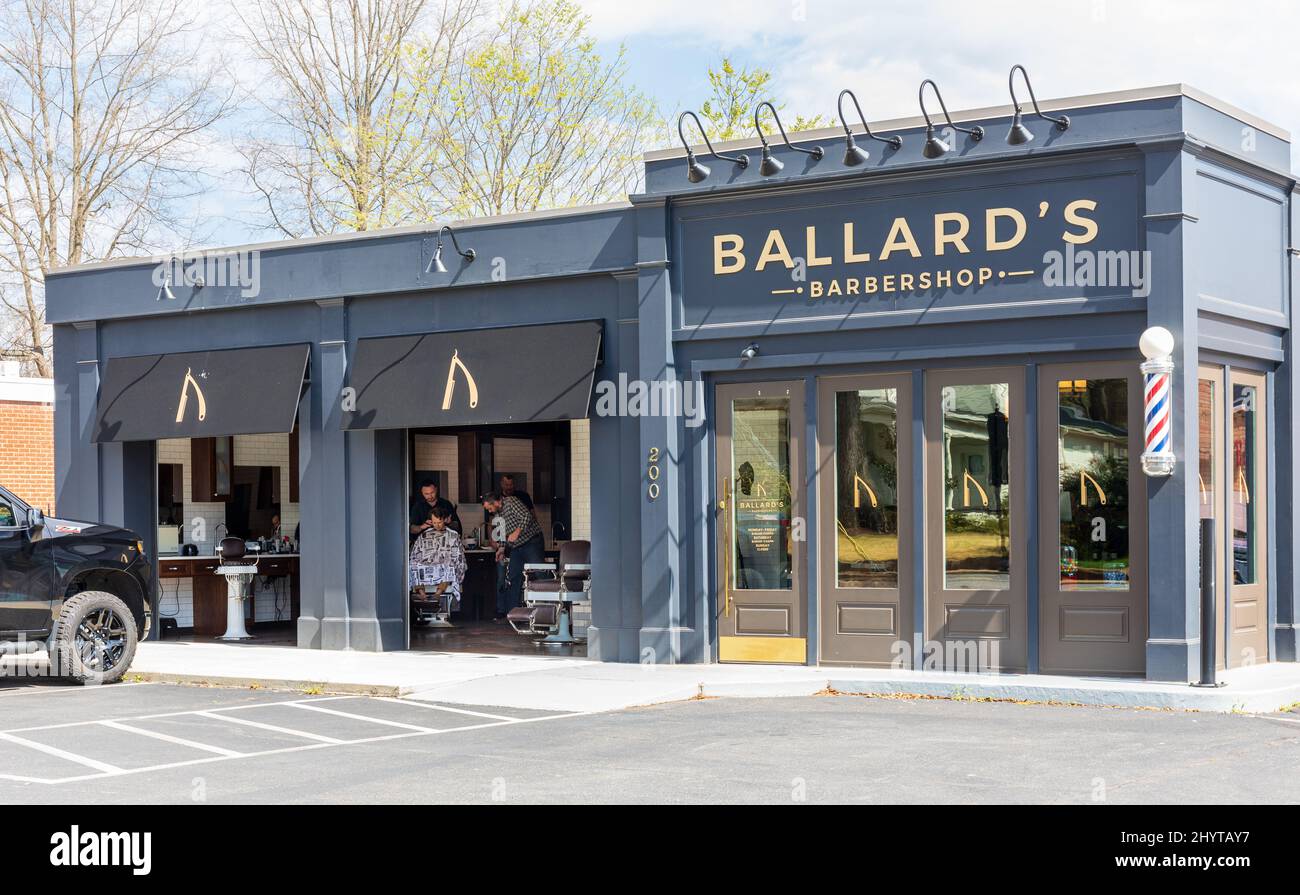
(95, 638)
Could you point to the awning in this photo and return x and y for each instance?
(472, 377)
(237, 391)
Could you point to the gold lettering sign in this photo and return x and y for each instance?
(457, 363)
(186, 384)
(950, 232)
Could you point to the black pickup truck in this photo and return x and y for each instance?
(79, 590)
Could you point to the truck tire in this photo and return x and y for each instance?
(95, 638)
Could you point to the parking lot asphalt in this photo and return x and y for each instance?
(160, 743)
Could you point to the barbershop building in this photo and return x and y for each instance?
(833, 414)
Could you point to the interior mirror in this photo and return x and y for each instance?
(35, 518)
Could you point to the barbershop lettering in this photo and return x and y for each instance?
(944, 235)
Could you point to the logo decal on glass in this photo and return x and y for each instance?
(186, 384)
(456, 362)
(966, 481)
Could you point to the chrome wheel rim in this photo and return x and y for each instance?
(101, 640)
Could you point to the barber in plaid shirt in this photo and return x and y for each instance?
(518, 538)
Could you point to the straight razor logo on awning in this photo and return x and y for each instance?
(186, 384)
(457, 363)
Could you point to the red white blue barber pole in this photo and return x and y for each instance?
(1157, 345)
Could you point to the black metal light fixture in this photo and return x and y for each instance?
(1019, 134)
(769, 165)
(435, 264)
(853, 153)
(749, 352)
(696, 171)
(935, 147)
(165, 290)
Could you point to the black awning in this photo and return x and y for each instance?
(238, 391)
(504, 375)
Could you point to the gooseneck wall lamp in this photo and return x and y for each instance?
(934, 146)
(769, 165)
(695, 170)
(1019, 134)
(435, 263)
(853, 153)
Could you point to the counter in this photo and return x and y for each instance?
(209, 588)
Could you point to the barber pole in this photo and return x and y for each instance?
(1157, 344)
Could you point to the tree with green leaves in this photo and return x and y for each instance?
(533, 117)
(728, 113)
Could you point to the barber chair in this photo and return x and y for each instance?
(431, 612)
(240, 569)
(550, 590)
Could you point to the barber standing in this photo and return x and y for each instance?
(422, 506)
(519, 541)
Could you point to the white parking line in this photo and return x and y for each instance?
(168, 738)
(103, 766)
(307, 706)
(226, 716)
(226, 713)
(446, 708)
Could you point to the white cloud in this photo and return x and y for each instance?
(1241, 53)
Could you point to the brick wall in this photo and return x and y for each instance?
(27, 451)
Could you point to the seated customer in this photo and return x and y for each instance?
(438, 560)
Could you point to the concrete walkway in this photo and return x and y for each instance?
(558, 684)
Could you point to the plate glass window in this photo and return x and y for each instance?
(977, 508)
(760, 469)
(1093, 437)
(866, 488)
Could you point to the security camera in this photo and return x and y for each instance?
(750, 352)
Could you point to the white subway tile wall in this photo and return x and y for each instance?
(176, 595)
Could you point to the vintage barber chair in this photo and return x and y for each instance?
(240, 569)
(550, 590)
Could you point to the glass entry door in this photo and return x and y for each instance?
(762, 613)
(1093, 520)
(976, 543)
(1247, 494)
(864, 476)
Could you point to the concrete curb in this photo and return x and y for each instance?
(1224, 700)
(248, 683)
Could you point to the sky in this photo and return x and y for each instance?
(1243, 53)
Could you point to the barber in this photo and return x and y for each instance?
(423, 505)
(519, 541)
(508, 489)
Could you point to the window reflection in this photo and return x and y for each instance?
(1244, 432)
(761, 508)
(1205, 446)
(976, 453)
(1092, 444)
(866, 488)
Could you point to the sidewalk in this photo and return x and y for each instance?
(557, 684)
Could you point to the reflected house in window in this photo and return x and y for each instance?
(1092, 436)
(976, 453)
(867, 488)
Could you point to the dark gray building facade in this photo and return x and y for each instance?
(893, 412)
